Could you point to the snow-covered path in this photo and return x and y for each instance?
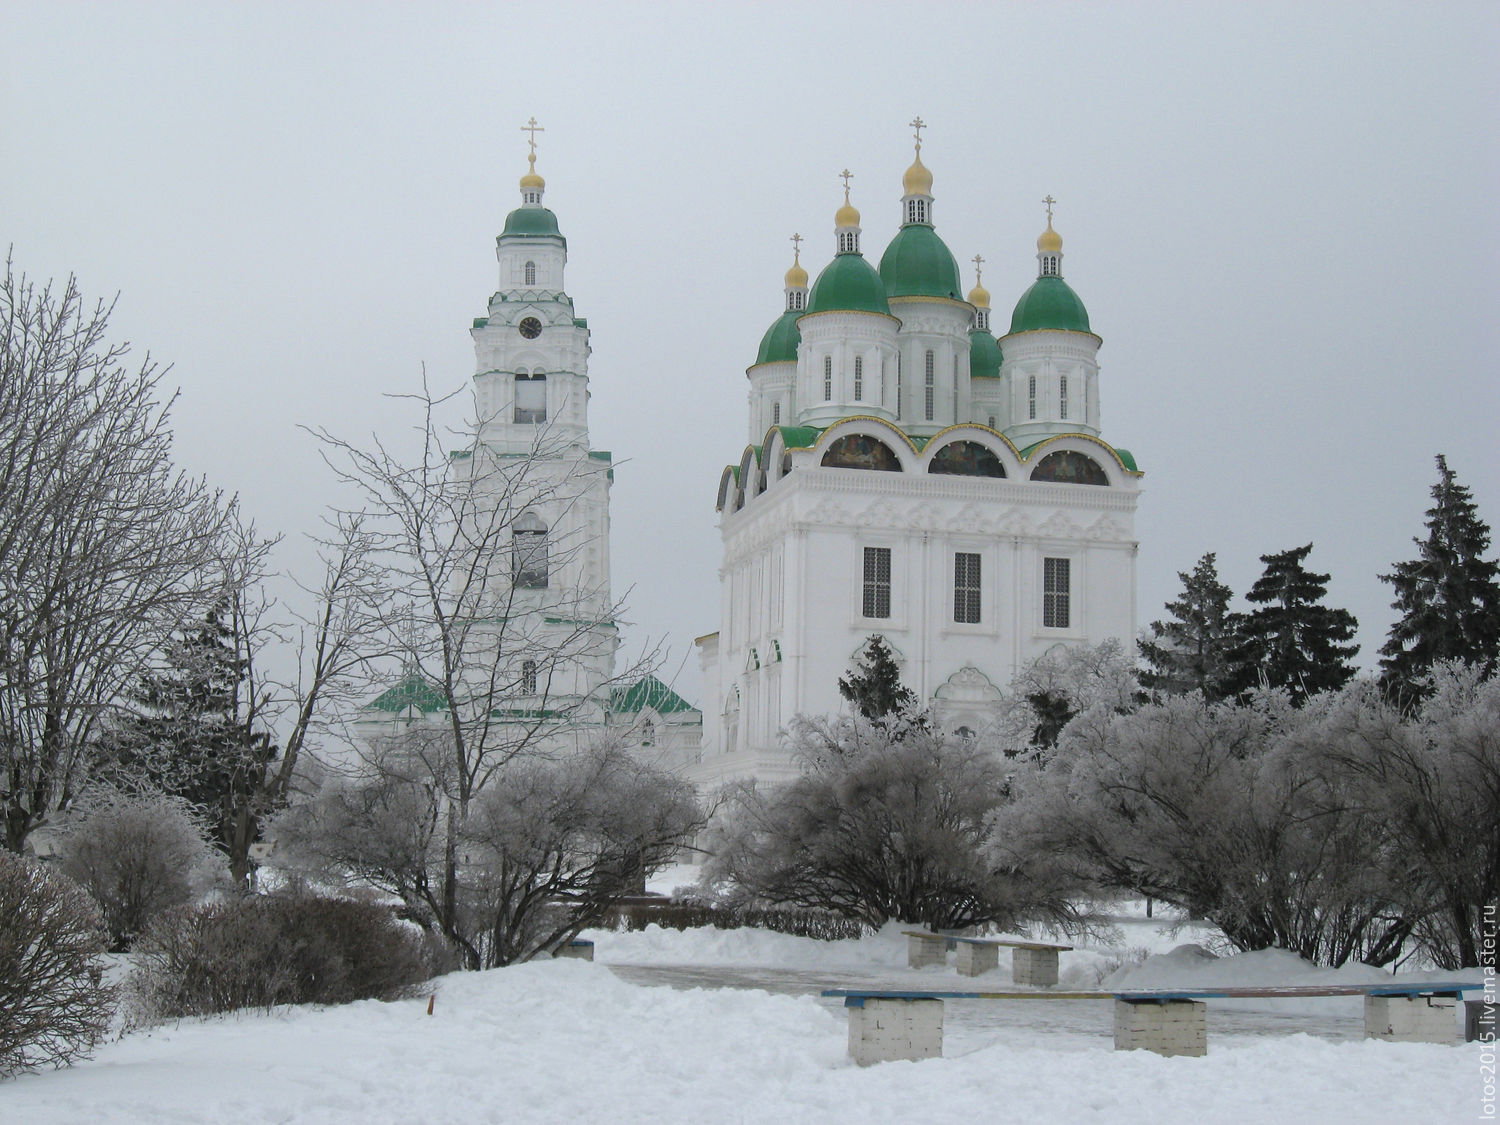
(571, 1041)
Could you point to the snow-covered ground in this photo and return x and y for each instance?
(572, 1041)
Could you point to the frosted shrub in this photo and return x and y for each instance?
(53, 1005)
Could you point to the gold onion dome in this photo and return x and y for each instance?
(979, 297)
(918, 179)
(796, 277)
(532, 179)
(1050, 241)
(847, 215)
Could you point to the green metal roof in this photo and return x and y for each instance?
(918, 264)
(1049, 304)
(984, 355)
(799, 437)
(410, 691)
(848, 284)
(649, 692)
(779, 344)
(1127, 459)
(531, 222)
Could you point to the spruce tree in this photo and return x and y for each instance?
(1291, 640)
(874, 684)
(1195, 649)
(1448, 597)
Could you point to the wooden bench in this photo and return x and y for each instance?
(888, 1025)
(1033, 962)
(578, 948)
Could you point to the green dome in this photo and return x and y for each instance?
(984, 355)
(1049, 303)
(531, 221)
(779, 344)
(918, 264)
(848, 284)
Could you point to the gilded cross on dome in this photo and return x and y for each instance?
(1049, 201)
(847, 176)
(797, 247)
(918, 124)
(532, 128)
(978, 270)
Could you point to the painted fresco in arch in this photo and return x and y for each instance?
(861, 451)
(1067, 466)
(966, 459)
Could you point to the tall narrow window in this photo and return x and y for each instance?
(1062, 396)
(916, 210)
(531, 397)
(898, 384)
(530, 272)
(877, 599)
(859, 377)
(776, 414)
(1056, 593)
(528, 553)
(528, 677)
(827, 378)
(929, 389)
(966, 588)
(992, 421)
(1031, 397)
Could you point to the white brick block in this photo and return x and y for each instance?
(888, 1030)
(923, 951)
(1034, 966)
(975, 959)
(1411, 1019)
(1168, 1027)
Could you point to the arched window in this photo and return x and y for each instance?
(1031, 397)
(796, 300)
(1050, 266)
(776, 414)
(530, 272)
(528, 677)
(966, 459)
(859, 377)
(827, 378)
(531, 397)
(849, 241)
(528, 552)
(929, 389)
(1069, 467)
(1062, 396)
(916, 210)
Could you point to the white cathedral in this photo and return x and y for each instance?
(908, 476)
(911, 476)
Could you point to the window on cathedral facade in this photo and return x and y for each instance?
(929, 389)
(966, 588)
(916, 210)
(992, 421)
(848, 242)
(1031, 397)
(827, 378)
(859, 377)
(877, 591)
(531, 397)
(776, 414)
(1049, 265)
(796, 300)
(530, 272)
(528, 553)
(898, 384)
(1062, 396)
(528, 677)
(1056, 593)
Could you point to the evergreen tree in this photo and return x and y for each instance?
(874, 684)
(1448, 597)
(1195, 649)
(188, 736)
(1291, 640)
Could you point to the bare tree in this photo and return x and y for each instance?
(485, 580)
(105, 547)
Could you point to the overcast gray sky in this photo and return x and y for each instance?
(1282, 219)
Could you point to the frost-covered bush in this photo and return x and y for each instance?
(54, 1006)
(138, 855)
(887, 821)
(266, 950)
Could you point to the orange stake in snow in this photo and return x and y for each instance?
(431, 1000)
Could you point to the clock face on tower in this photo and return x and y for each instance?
(531, 328)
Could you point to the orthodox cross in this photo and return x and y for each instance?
(918, 124)
(1049, 201)
(532, 128)
(847, 176)
(978, 271)
(797, 247)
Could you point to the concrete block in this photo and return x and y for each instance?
(1034, 966)
(1411, 1019)
(974, 959)
(888, 1030)
(583, 950)
(1167, 1027)
(1481, 1021)
(922, 951)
